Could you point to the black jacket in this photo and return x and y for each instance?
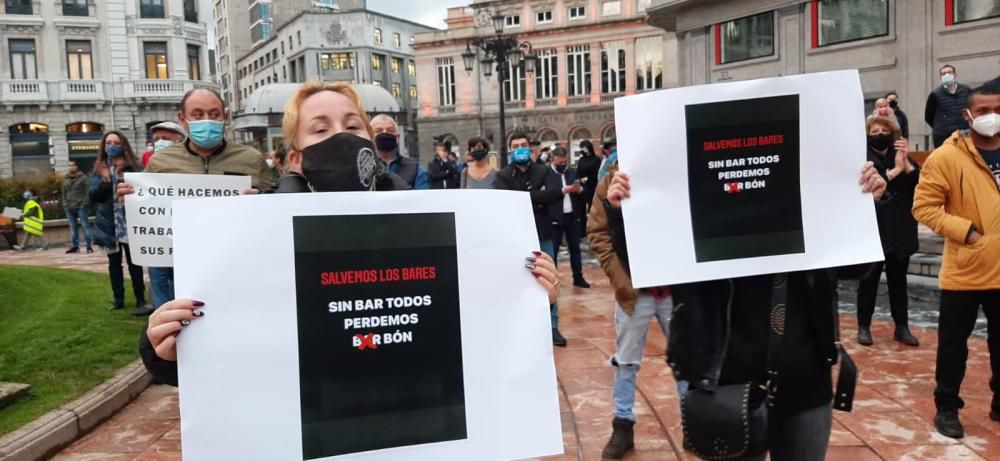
(904, 122)
(575, 199)
(994, 84)
(943, 111)
(896, 225)
(588, 167)
(544, 187)
(165, 371)
(700, 352)
(442, 174)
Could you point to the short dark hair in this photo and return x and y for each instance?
(478, 140)
(981, 91)
(281, 153)
(891, 93)
(947, 66)
(535, 143)
(519, 135)
(187, 95)
(559, 151)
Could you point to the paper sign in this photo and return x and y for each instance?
(368, 326)
(148, 211)
(746, 178)
(12, 213)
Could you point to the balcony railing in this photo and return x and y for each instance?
(610, 98)
(546, 102)
(163, 89)
(24, 91)
(81, 90)
(578, 100)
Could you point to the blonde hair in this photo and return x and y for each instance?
(884, 121)
(290, 123)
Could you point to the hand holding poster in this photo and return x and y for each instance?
(149, 211)
(365, 326)
(746, 178)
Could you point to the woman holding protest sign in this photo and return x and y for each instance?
(887, 150)
(757, 353)
(114, 159)
(331, 150)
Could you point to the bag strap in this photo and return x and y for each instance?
(847, 378)
(776, 333)
(465, 177)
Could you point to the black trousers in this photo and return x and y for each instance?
(118, 276)
(570, 227)
(587, 199)
(895, 275)
(959, 310)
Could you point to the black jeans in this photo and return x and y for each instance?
(570, 227)
(118, 276)
(959, 310)
(895, 275)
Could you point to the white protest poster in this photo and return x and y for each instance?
(746, 178)
(364, 326)
(148, 211)
(12, 213)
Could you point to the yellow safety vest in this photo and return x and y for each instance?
(33, 225)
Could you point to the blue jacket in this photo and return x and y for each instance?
(102, 195)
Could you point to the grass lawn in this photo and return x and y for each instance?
(57, 335)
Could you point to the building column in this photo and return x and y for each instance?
(595, 72)
(629, 66)
(563, 79)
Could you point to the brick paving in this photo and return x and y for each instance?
(892, 417)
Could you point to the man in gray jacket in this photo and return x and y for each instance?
(74, 200)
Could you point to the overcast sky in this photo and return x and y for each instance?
(427, 12)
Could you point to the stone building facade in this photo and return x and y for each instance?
(590, 52)
(897, 45)
(71, 71)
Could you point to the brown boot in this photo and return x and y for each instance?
(622, 439)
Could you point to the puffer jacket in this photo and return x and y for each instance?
(957, 191)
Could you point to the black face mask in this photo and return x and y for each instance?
(386, 142)
(341, 163)
(478, 155)
(880, 141)
(561, 169)
(893, 104)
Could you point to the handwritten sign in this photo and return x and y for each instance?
(149, 210)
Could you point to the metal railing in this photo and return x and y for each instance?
(546, 102)
(578, 100)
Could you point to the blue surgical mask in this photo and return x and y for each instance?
(162, 144)
(206, 133)
(948, 78)
(113, 150)
(520, 156)
(26, 195)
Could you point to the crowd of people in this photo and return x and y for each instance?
(770, 340)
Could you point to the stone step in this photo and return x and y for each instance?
(9, 392)
(925, 264)
(931, 244)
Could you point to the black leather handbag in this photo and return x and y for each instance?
(724, 422)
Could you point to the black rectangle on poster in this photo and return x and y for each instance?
(379, 332)
(744, 178)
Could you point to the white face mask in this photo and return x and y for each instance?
(987, 125)
(270, 162)
(948, 78)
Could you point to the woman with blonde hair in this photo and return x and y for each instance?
(888, 151)
(330, 149)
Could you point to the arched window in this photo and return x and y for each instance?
(83, 140)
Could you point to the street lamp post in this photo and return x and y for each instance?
(500, 50)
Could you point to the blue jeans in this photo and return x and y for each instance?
(548, 248)
(630, 341)
(72, 215)
(161, 280)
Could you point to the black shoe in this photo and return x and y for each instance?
(995, 415)
(90, 249)
(580, 282)
(622, 439)
(948, 425)
(144, 311)
(904, 336)
(557, 338)
(117, 305)
(864, 336)
(73, 250)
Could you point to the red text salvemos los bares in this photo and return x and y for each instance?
(365, 276)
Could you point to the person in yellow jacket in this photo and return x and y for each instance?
(958, 197)
(34, 224)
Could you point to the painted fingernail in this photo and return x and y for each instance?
(185, 323)
(531, 259)
(536, 274)
(536, 253)
(197, 313)
(197, 304)
(530, 266)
